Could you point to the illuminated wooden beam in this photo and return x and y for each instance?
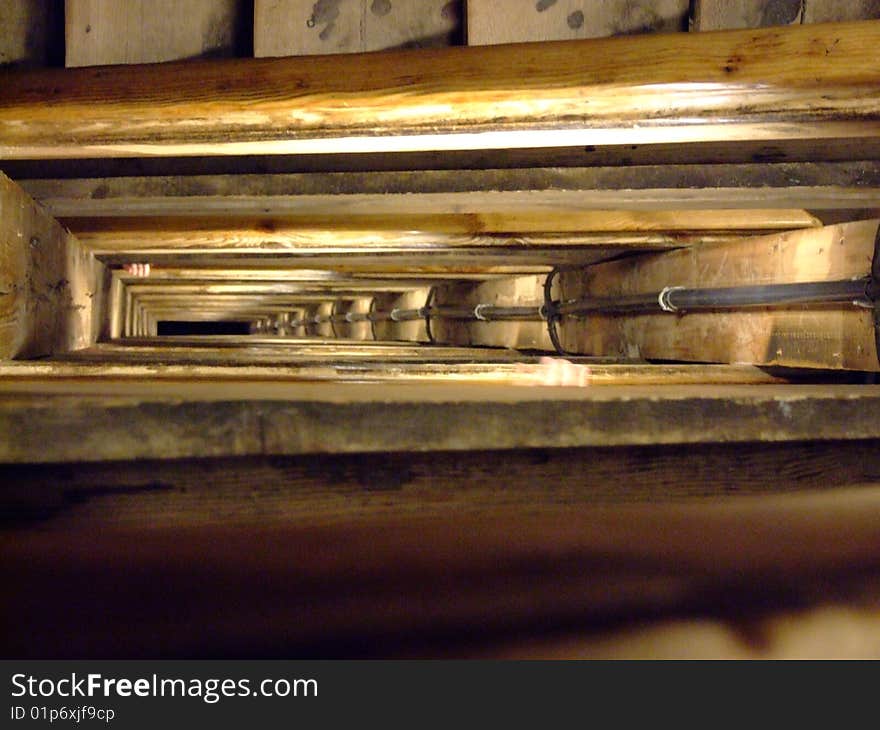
(457, 243)
(675, 88)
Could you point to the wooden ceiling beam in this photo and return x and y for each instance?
(813, 186)
(678, 88)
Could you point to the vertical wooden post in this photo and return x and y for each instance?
(50, 285)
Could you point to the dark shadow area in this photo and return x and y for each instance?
(166, 328)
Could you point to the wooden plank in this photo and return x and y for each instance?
(601, 373)
(377, 231)
(32, 33)
(552, 20)
(50, 286)
(102, 32)
(325, 276)
(486, 575)
(614, 157)
(79, 421)
(285, 352)
(829, 336)
(450, 244)
(342, 488)
(811, 186)
(303, 27)
(491, 97)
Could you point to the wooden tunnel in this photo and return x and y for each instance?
(274, 330)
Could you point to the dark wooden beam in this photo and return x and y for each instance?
(79, 421)
(814, 186)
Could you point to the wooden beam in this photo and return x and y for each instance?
(612, 156)
(329, 277)
(741, 85)
(339, 489)
(413, 244)
(601, 373)
(147, 591)
(558, 190)
(51, 288)
(829, 336)
(281, 351)
(48, 421)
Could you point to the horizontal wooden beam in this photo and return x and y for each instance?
(681, 88)
(455, 243)
(46, 421)
(376, 231)
(814, 186)
(601, 373)
(260, 349)
(615, 156)
(329, 277)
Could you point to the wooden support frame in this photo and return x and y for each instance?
(556, 190)
(841, 335)
(69, 421)
(462, 564)
(739, 85)
(52, 289)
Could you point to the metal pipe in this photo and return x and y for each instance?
(407, 315)
(682, 299)
(528, 313)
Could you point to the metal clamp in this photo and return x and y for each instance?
(550, 311)
(429, 302)
(663, 298)
(478, 312)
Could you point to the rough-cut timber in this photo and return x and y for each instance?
(735, 85)
(824, 336)
(50, 286)
(805, 185)
(56, 421)
(268, 588)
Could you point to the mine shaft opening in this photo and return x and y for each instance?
(184, 328)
